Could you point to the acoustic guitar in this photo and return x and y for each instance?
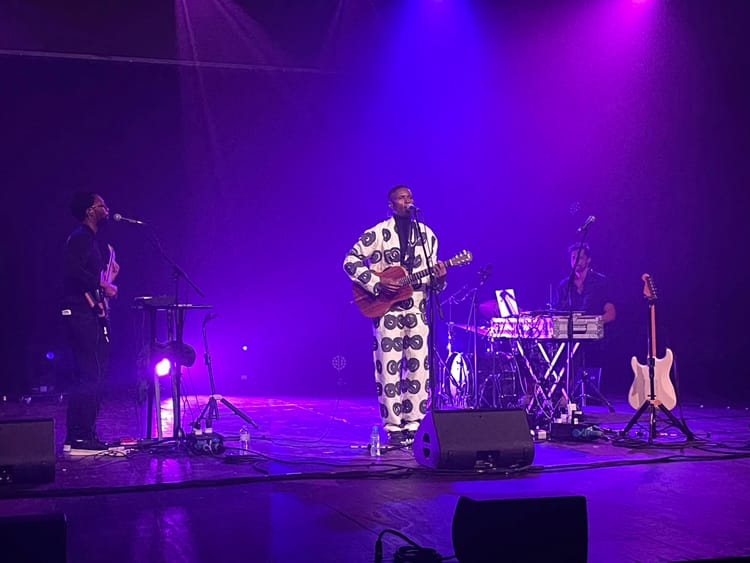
(373, 306)
(663, 390)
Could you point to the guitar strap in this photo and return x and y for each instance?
(405, 230)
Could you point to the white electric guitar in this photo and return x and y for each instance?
(641, 390)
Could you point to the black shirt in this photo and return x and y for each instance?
(83, 265)
(594, 294)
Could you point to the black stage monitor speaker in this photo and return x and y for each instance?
(34, 538)
(528, 529)
(459, 439)
(27, 451)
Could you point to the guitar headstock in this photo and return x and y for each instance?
(649, 288)
(463, 257)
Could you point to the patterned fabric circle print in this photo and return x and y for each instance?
(376, 257)
(368, 238)
(406, 406)
(389, 322)
(397, 409)
(410, 320)
(393, 366)
(374, 343)
(415, 386)
(351, 267)
(406, 303)
(386, 235)
(365, 276)
(386, 345)
(412, 364)
(383, 411)
(415, 342)
(379, 366)
(379, 388)
(398, 344)
(390, 390)
(423, 406)
(392, 256)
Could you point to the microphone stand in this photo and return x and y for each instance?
(569, 343)
(432, 304)
(179, 326)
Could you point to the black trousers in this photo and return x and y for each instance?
(90, 360)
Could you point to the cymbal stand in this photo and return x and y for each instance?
(445, 396)
(211, 411)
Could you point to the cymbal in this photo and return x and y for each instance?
(482, 330)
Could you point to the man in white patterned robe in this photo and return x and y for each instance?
(401, 335)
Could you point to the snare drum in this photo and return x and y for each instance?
(459, 376)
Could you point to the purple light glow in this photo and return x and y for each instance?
(50, 355)
(163, 367)
(244, 348)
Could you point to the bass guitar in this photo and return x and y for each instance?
(373, 306)
(642, 390)
(99, 302)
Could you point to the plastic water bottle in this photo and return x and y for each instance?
(374, 446)
(244, 441)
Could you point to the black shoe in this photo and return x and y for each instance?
(91, 446)
(396, 439)
(408, 437)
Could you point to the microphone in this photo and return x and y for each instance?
(209, 317)
(411, 207)
(586, 223)
(118, 217)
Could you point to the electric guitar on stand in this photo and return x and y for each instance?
(373, 306)
(663, 388)
(652, 387)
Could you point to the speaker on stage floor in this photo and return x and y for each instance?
(42, 538)
(461, 438)
(533, 530)
(27, 451)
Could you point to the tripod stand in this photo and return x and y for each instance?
(588, 380)
(211, 411)
(661, 392)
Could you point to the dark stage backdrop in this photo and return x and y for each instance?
(259, 166)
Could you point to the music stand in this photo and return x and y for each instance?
(175, 313)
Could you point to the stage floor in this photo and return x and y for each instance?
(309, 491)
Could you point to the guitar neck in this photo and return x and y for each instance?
(416, 276)
(652, 329)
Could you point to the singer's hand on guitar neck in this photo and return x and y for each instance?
(115, 270)
(440, 270)
(110, 289)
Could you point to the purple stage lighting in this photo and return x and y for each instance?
(163, 367)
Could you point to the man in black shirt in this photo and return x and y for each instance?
(587, 291)
(85, 288)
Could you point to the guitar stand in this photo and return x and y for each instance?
(211, 411)
(653, 406)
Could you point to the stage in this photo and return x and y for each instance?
(309, 491)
